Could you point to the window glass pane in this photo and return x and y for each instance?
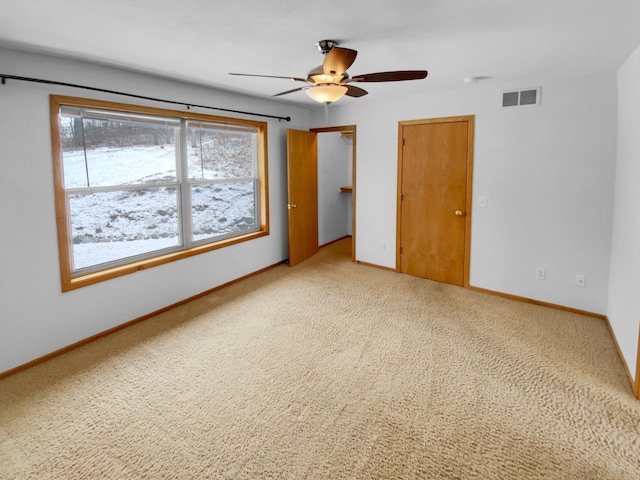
(217, 153)
(102, 152)
(108, 226)
(223, 209)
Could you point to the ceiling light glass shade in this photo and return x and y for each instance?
(326, 93)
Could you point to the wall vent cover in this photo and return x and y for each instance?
(528, 97)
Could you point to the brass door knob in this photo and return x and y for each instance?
(459, 213)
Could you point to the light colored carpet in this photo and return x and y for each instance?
(331, 370)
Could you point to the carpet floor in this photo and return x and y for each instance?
(330, 370)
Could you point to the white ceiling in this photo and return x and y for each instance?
(202, 41)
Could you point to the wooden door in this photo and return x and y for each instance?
(434, 182)
(302, 179)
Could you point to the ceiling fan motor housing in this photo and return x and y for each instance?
(325, 46)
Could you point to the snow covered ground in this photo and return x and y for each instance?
(141, 214)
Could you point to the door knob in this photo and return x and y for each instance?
(291, 205)
(459, 213)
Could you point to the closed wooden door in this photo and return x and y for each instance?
(434, 180)
(302, 180)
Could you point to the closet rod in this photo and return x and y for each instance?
(188, 105)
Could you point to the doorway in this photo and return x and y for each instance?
(435, 171)
(335, 187)
(302, 180)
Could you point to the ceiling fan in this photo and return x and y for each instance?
(330, 81)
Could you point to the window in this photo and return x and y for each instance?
(138, 186)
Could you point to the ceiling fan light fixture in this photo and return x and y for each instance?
(326, 93)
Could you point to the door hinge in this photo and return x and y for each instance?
(400, 249)
(401, 196)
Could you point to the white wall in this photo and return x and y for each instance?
(36, 318)
(547, 172)
(624, 284)
(334, 159)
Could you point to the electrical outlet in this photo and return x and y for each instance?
(541, 273)
(581, 281)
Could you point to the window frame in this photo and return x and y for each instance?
(71, 281)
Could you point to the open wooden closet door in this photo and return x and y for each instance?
(302, 180)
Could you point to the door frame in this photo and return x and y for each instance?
(352, 130)
(470, 119)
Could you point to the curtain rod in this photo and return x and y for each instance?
(188, 105)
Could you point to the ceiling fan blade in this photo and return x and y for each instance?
(295, 79)
(338, 60)
(290, 91)
(353, 91)
(390, 76)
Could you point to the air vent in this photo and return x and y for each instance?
(528, 97)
